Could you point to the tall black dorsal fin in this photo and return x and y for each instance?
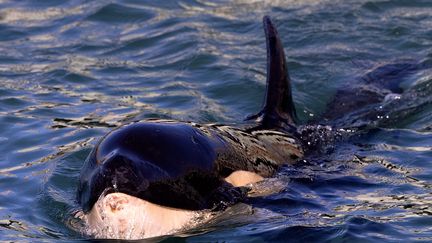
(278, 110)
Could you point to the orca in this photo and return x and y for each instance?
(188, 167)
(153, 177)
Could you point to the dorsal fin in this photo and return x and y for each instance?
(278, 109)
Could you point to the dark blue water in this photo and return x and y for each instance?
(72, 70)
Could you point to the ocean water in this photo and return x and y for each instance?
(72, 70)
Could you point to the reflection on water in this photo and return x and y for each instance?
(72, 70)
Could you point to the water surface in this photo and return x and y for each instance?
(72, 70)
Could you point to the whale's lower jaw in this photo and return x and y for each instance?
(121, 216)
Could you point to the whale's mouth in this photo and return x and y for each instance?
(122, 216)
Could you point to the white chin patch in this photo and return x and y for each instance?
(121, 216)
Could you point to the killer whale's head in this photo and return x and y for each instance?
(164, 163)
